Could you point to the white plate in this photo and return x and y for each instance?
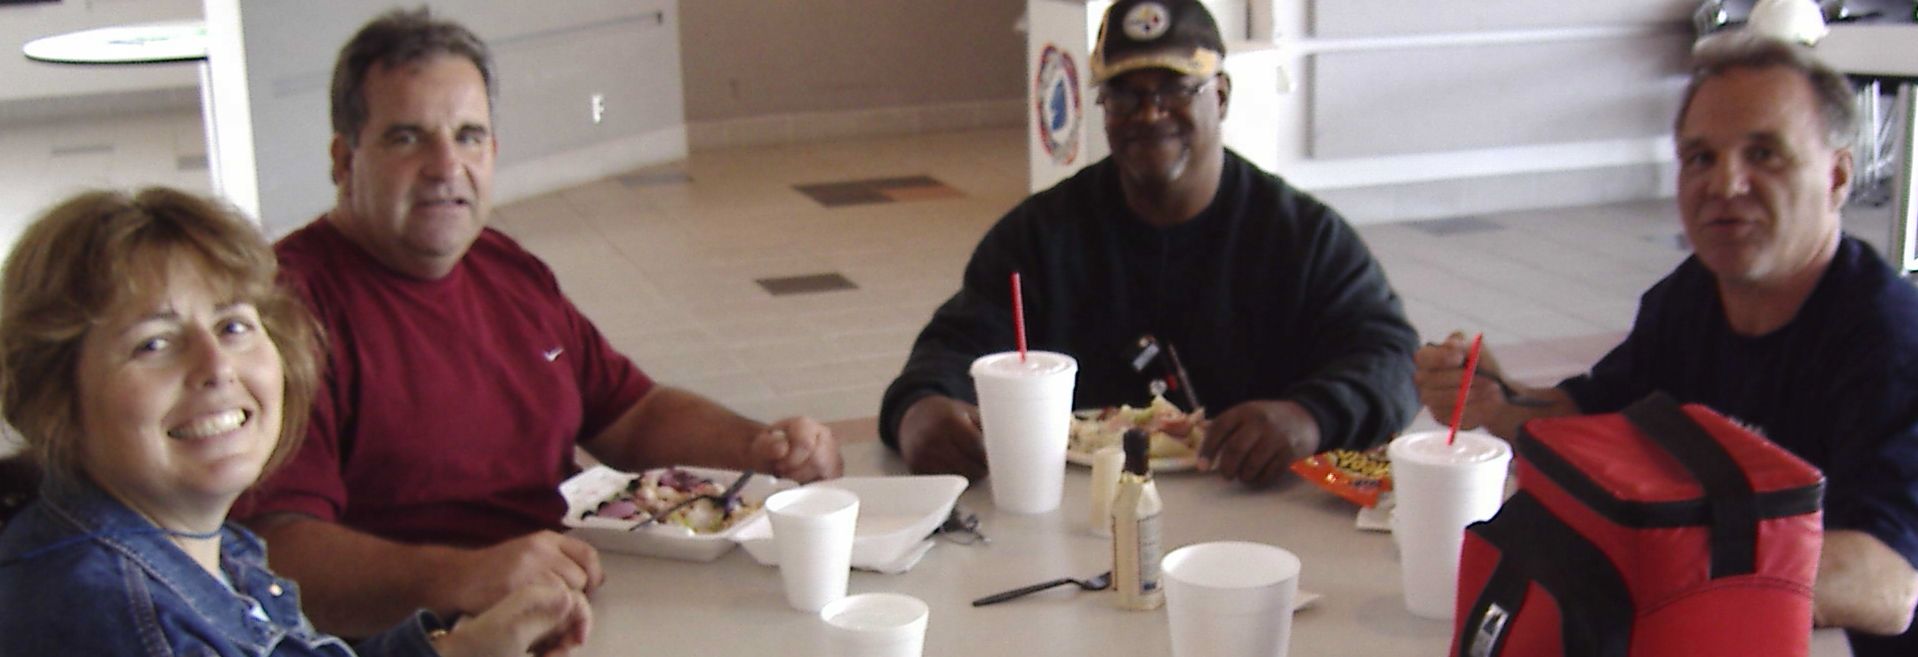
(896, 514)
(587, 489)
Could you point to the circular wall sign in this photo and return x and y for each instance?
(1056, 106)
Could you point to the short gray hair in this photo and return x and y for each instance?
(1724, 52)
(394, 38)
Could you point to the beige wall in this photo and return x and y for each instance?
(745, 58)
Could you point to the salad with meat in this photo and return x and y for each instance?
(655, 491)
(1174, 433)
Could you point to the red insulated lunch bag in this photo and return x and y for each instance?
(1657, 531)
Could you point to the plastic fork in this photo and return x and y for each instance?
(1097, 582)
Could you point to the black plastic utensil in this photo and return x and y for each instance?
(1511, 394)
(1097, 582)
(726, 501)
(962, 528)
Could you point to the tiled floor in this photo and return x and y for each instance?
(669, 261)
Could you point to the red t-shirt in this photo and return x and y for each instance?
(450, 408)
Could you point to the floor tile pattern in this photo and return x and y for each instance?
(806, 284)
(877, 190)
(1456, 226)
(653, 177)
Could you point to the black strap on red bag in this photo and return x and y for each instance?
(1536, 547)
(1728, 495)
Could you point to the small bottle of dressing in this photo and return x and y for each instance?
(1135, 530)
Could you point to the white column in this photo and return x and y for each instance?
(228, 116)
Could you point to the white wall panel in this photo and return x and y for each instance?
(1365, 18)
(1452, 98)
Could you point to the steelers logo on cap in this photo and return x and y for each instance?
(1148, 21)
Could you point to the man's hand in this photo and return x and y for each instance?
(1255, 441)
(1439, 368)
(546, 619)
(1863, 585)
(797, 448)
(940, 435)
(479, 579)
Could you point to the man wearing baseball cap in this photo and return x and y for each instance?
(1292, 339)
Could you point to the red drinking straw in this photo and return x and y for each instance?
(1019, 317)
(1464, 386)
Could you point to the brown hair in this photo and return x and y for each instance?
(80, 258)
(1724, 52)
(396, 38)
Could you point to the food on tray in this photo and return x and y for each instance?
(658, 490)
(1174, 433)
(1354, 475)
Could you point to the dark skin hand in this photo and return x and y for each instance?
(1254, 443)
(940, 435)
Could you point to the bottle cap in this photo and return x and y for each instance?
(1136, 447)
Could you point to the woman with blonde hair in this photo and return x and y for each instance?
(155, 370)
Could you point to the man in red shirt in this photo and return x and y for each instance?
(460, 379)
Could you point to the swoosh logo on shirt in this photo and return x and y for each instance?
(553, 354)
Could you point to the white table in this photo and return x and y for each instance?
(734, 606)
(143, 44)
(1890, 51)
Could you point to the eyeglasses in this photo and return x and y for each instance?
(1123, 102)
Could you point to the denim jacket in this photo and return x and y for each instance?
(81, 574)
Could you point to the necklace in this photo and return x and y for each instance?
(193, 535)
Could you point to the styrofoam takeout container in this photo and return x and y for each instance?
(895, 515)
(587, 489)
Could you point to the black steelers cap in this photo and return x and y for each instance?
(1172, 34)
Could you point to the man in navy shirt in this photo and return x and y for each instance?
(1778, 320)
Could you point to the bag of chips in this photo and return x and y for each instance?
(1358, 476)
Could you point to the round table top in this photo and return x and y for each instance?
(146, 43)
(734, 606)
